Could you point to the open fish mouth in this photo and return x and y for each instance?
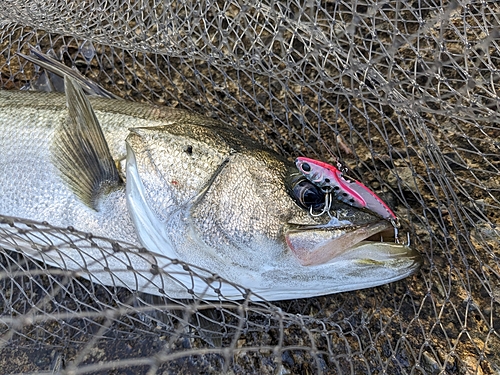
(370, 242)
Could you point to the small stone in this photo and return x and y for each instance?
(472, 365)
(430, 364)
(402, 176)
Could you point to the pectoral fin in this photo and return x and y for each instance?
(80, 149)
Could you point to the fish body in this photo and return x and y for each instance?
(31, 185)
(183, 186)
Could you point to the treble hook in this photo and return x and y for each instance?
(326, 207)
(396, 225)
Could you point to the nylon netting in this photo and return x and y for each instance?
(404, 93)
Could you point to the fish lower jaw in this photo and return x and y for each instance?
(316, 246)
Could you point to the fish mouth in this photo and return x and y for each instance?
(372, 242)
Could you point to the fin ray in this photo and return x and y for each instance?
(51, 65)
(81, 152)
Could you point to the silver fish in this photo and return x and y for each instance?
(186, 187)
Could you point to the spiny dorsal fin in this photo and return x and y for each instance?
(80, 150)
(54, 66)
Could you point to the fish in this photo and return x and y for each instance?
(183, 187)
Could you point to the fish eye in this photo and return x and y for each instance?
(308, 195)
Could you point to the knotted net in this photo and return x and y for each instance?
(404, 93)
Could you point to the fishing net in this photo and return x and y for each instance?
(403, 93)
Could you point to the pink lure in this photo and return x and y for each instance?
(354, 193)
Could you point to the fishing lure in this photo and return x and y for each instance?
(351, 192)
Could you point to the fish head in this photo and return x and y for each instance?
(203, 195)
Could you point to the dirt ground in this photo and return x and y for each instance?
(435, 159)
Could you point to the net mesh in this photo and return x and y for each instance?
(404, 93)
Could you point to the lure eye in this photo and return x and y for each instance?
(308, 195)
(306, 167)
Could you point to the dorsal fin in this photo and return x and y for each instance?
(51, 65)
(81, 152)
